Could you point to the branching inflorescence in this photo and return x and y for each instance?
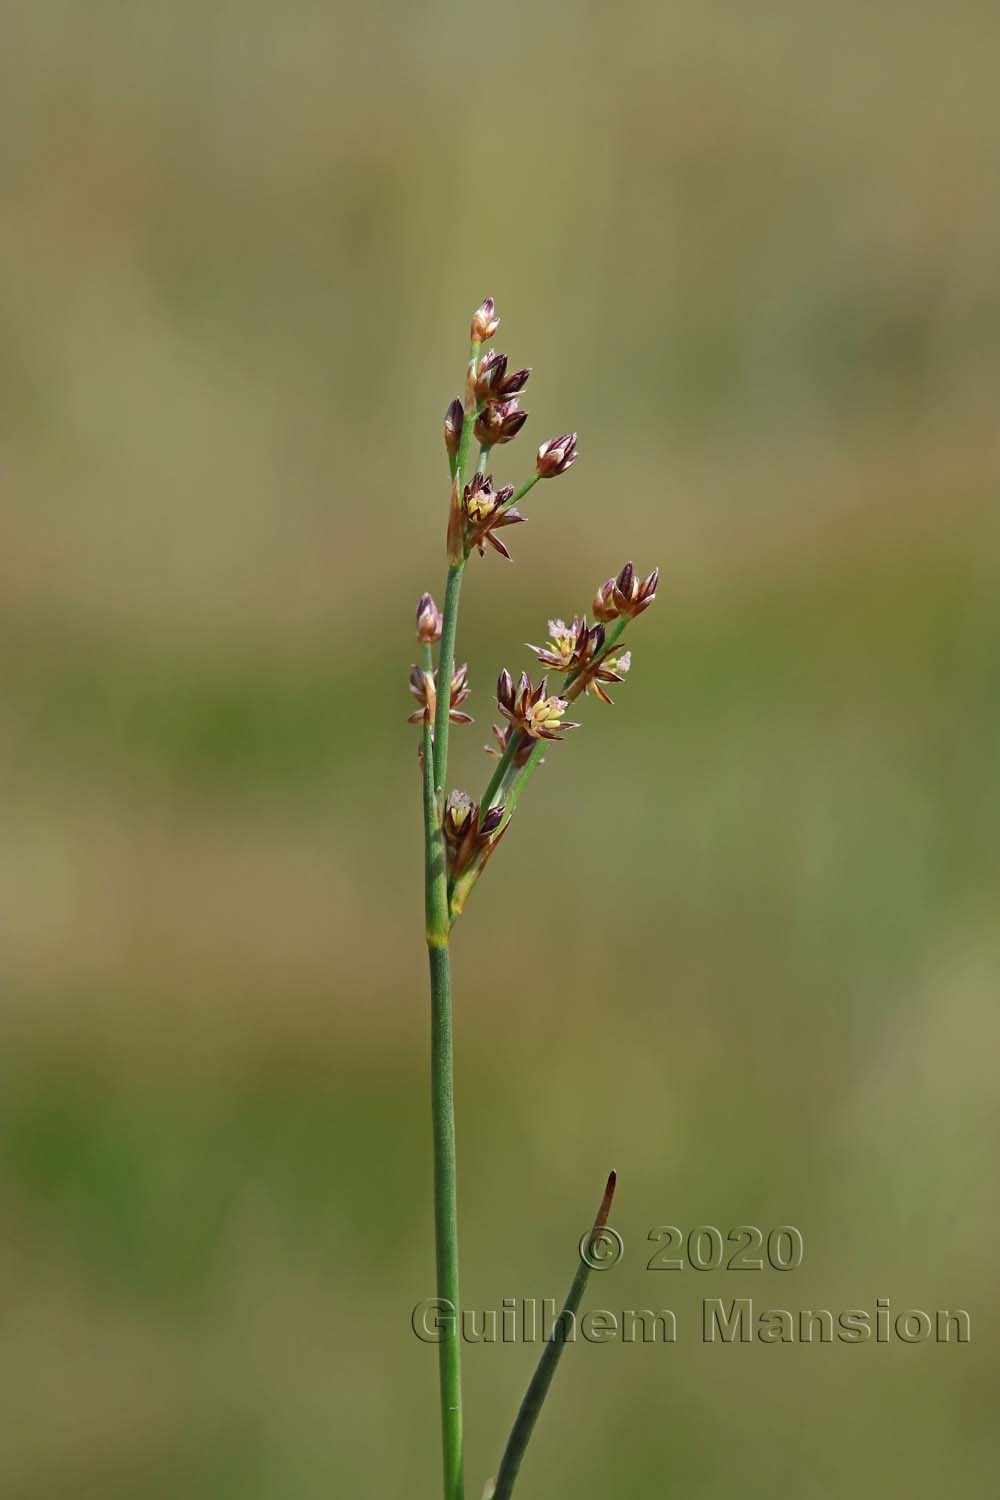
(461, 834)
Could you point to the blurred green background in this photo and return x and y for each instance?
(741, 944)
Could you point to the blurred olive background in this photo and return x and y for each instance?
(742, 942)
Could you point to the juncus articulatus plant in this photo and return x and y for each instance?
(579, 659)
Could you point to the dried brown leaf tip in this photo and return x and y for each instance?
(530, 709)
(485, 321)
(577, 648)
(468, 840)
(424, 689)
(556, 455)
(626, 595)
(428, 621)
(485, 510)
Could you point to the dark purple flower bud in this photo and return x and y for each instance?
(489, 378)
(491, 820)
(629, 595)
(453, 418)
(512, 385)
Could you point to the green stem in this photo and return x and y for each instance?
(446, 666)
(435, 775)
(443, 1119)
(453, 588)
(538, 1389)
(446, 1219)
(519, 494)
(502, 767)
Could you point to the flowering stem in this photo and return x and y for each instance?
(525, 487)
(502, 767)
(509, 781)
(538, 1388)
(571, 690)
(442, 1045)
(443, 1118)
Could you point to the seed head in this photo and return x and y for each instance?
(485, 321)
(428, 621)
(499, 422)
(423, 686)
(453, 418)
(556, 455)
(529, 709)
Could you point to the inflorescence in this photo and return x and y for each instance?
(588, 657)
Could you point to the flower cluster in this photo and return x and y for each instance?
(469, 839)
(484, 511)
(577, 649)
(589, 657)
(423, 686)
(530, 709)
(625, 595)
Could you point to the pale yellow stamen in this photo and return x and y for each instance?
(544, 715)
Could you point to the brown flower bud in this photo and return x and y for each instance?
(605, 607)
(492, 368)
(423, 686)
(485, 321)
(631, 596)
(556, 455)
(428, 621)
(499, 422)
(493, 382)
(453, 418)
(467, 837)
